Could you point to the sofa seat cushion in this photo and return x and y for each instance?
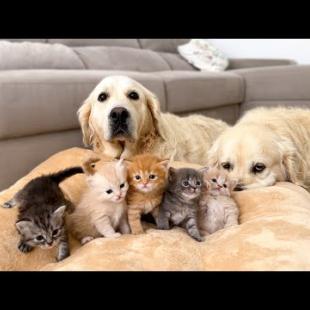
(194, 91)
(36, 55)
(273, 234)
(41, 101)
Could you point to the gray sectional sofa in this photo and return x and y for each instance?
(43, 85)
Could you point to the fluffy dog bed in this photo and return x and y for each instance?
(273, 235)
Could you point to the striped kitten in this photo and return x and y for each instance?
(180, 204)
(147, 178)
(41, 213)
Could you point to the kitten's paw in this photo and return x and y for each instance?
(137, 232)
(86, 240)
(62, 256)
(25, 248)
(114, 236)
(8, 205)
(163, 227)
(199, 238)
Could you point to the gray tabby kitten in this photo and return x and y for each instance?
(41, 213)
(180, 202)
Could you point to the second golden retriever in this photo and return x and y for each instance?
(121, 118)
(267, 145)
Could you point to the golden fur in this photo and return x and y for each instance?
(187, 138)
(145, 195)
(277, 137)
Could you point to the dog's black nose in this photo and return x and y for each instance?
(239, 187)
(119, 115)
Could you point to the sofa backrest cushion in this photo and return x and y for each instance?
(130, 59)
(162, 45)
(97, 42)
(35, 55)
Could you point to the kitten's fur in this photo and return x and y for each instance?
(102, 210)
(147, 178)
(217, 209)
(180, 203)
(41, 209)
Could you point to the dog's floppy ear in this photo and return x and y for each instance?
(154, 107)
(213, 154)
(83, 115)
(292, 162)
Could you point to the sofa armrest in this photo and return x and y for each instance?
(242, 63)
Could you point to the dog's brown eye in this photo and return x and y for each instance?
(226, 166)
(259, 167)
(102, 97)
(133, 95)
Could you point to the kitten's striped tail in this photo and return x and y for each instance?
(62, 175)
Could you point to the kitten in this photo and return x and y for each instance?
(102, 210)
(217, 209)
(180, 203)
(41, 211)
(147, 177)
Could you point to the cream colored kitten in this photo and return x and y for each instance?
(217, 209)
(102, 210)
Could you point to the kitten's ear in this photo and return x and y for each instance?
(24, 226)
(172, 172)
(59, 213)
(204, 169)
(90, 164)
(164, 163)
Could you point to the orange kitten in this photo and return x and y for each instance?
(147, 177)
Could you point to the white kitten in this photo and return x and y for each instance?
(217, 209)
(102, 210)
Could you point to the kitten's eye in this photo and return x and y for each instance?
(133, 95)
(103, 97)
(122, 185)
(39, 238)
(137, 177)
(109, 191)
(226, 166)
(225, 185)
(213, 180)
(152, 176)
(259, 167)
(198, 183)
(55, 232)
(185, 183)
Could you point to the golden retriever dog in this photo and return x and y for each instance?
(266, 145)
(121, 118)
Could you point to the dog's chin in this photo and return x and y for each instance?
(120, 134)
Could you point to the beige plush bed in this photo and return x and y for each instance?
(274, 235)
